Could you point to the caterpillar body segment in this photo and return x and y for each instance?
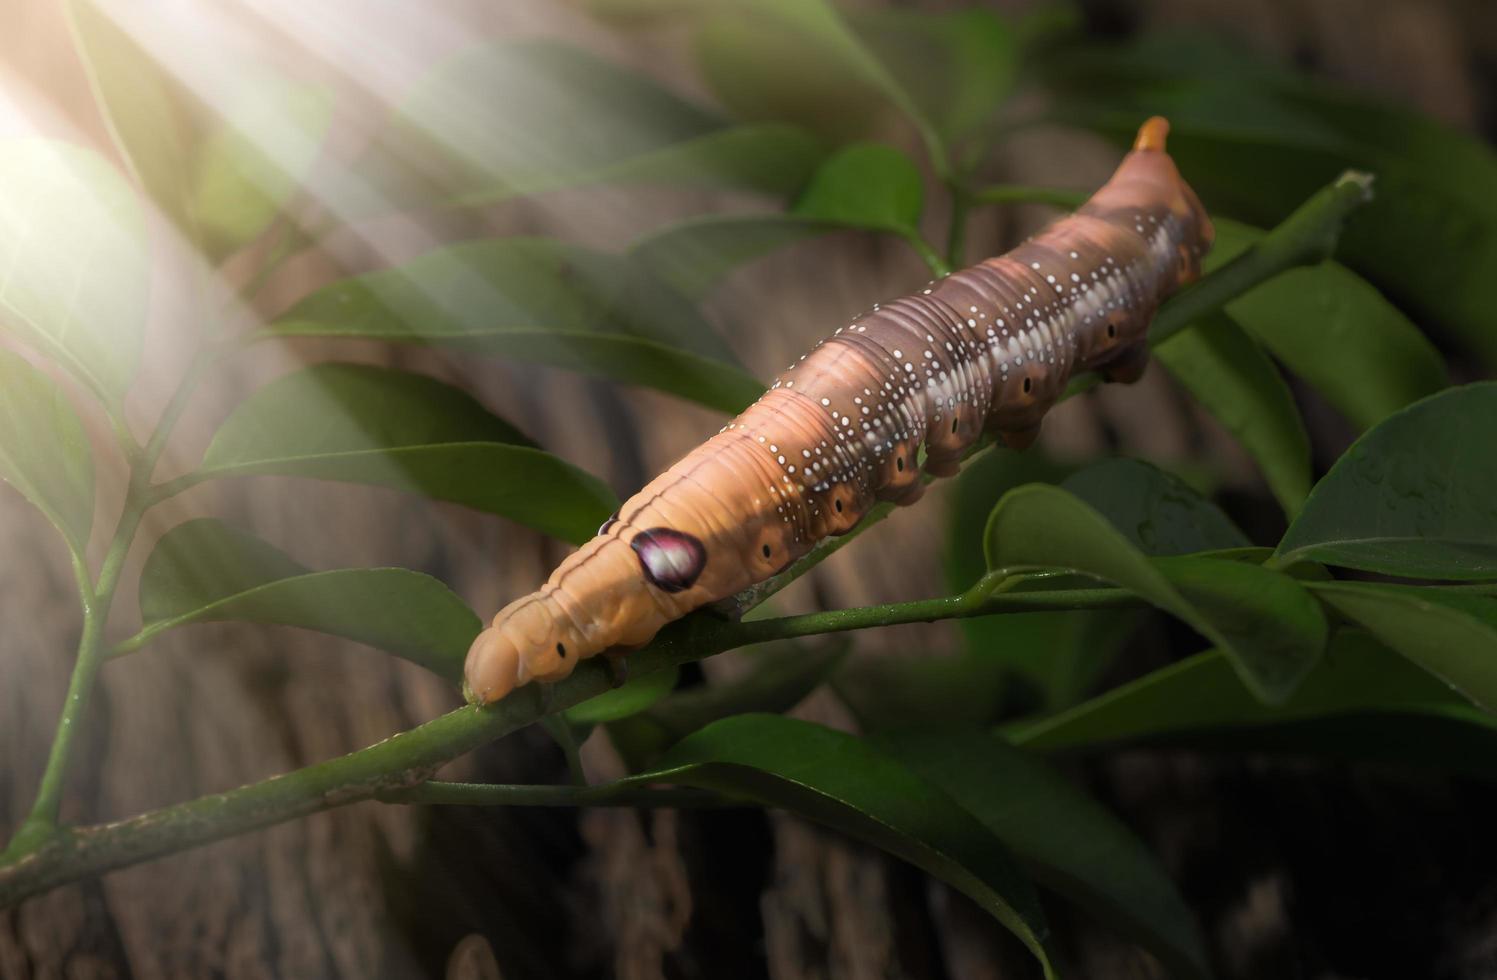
(989, 348)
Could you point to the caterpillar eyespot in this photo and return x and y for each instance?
(811, 456)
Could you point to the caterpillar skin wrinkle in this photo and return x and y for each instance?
(989, 348)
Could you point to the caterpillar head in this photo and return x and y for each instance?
(531, 639)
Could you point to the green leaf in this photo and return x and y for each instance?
(958, 67)
(843, 782)
(1156, 512)
(759, 70)
(44, 452)
(461, 136)
(1453, 636)
(1237, 383)
(539, 301)
(1202, 693)
(867, 185)
(151, 118)
(73, 244)
(694, 255)
(205, 571)
(1330, 327)
(1271, 626)
(390, 428)
(628, 699)
(1069, 842)
(1055, 657)
(252, 160)
(1412, 497)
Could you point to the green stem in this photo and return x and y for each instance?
(409, 758)
(928, 254)
(561, 732)
(956, 232)
(42, 821)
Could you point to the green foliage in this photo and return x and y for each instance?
(389, 428)
(1413, 497)
(867, 185)
(534, 300)
(848, 784)
(44, 452)
(73, 244)
(1236, 381)
(1330, 327)
(205, 571)
(1267, 623)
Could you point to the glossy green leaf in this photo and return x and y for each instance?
(1068, 841)
(1412, 497)
(1270, 625)
(1156, 512)
(205, 571)
(630, 698)
(253, 159)
(696, 254)
(1330, 327)
(1231, 377)
(1202, 693)
(843, 782)
(867, 185)
(540, 301)
(44, 452)
(390, 428)
(73, 244)
(153, 121)
(1451, 635)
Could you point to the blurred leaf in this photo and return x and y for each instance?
(1270, 625)
(390, 428)
(150, 117)
(1156, 512)
(1413, 497)
(1255, 142)
(628, 699)
(73, 244)
(253, 160)
(1237, 383)
(1334, 330)
(44, 452)
(761, 68)
(695, 254)
(1069, 842)
(524, 117)
(205, 571)
(958, 67)
(535, 300)
(1202, 693)
(867, 185)
(1452, 636)
(843, 782)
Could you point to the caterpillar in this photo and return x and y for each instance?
(987, 349)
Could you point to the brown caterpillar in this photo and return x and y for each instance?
(988, 348)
